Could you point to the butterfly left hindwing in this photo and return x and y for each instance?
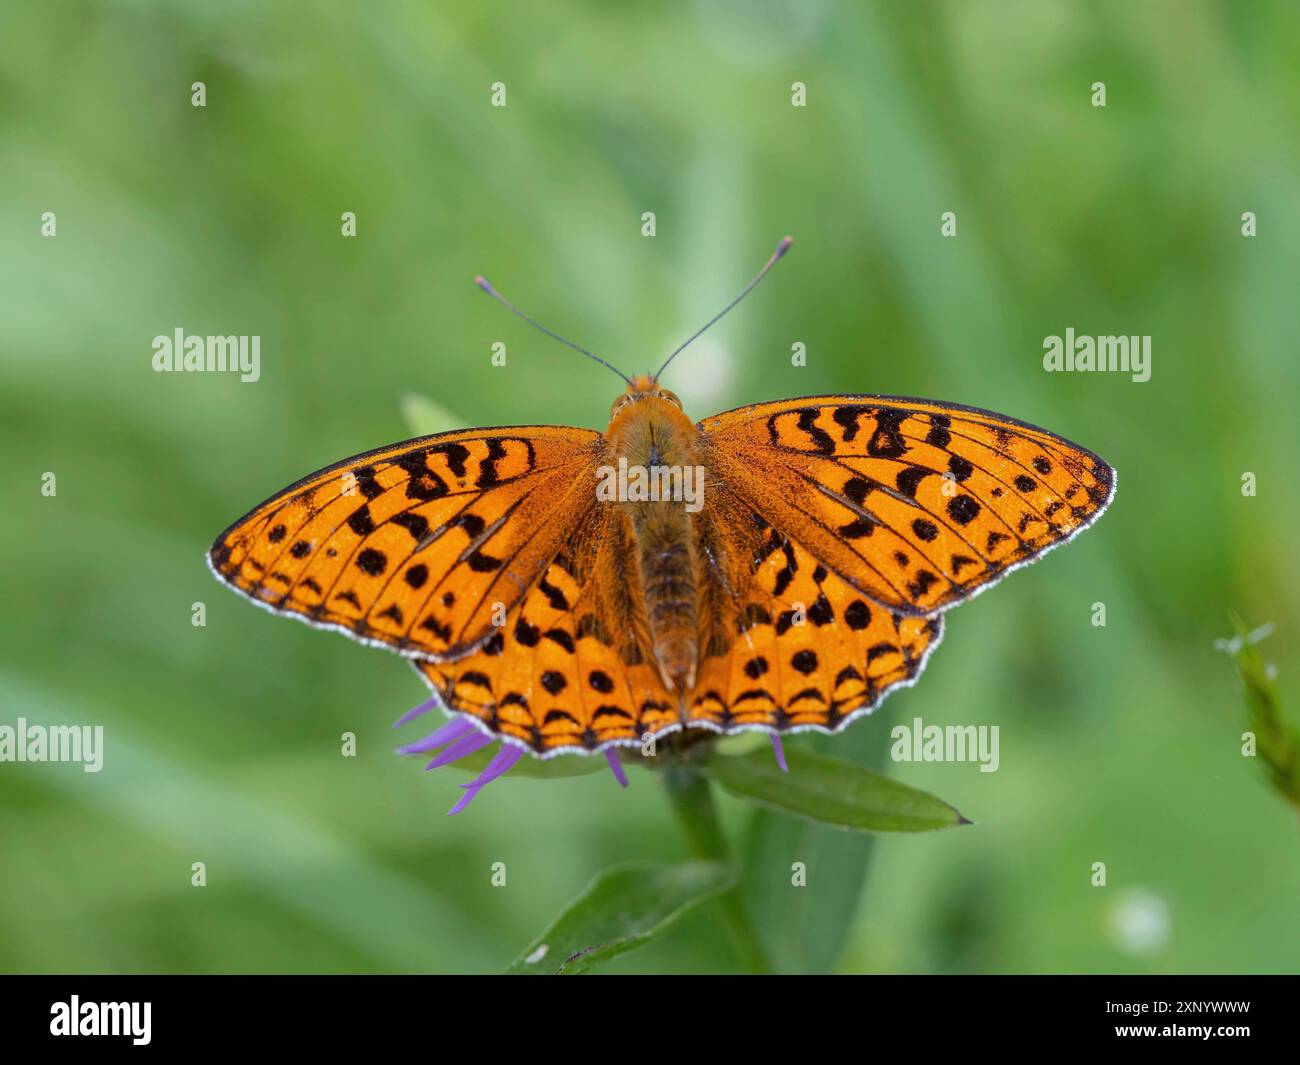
(565, 670)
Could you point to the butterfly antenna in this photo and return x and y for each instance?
(781, 249)
(486, 286)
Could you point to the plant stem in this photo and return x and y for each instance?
(692, 800)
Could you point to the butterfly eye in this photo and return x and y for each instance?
(665, 394)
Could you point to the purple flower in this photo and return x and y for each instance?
(460, 736)
(779, 751)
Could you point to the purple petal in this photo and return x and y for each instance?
(463, 801)
(501, 762)
(466, 745)
(611, 756)
(780, 752)
(416, 711)
(452, 730)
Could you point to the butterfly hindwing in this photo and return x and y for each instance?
(565, 671)
(917, 504)
(800, 647)
(415, 546)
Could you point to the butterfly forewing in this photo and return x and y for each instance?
(917, 504)
(419, 545)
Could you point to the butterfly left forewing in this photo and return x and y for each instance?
(415, 546)
(916, 504)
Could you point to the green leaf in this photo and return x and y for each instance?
(1278, 741)
(623, 908)
(424, 417)
(834, 792)
(804, 930)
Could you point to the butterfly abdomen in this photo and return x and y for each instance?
(668, 571)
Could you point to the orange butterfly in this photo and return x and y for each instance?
(781, 567)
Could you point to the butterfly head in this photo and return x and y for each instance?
(642, 389)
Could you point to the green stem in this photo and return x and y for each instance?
(692, 800)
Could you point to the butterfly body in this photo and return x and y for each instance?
(650, 435)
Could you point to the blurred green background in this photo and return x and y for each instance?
(1119, 744)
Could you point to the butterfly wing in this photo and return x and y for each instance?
(917, 505)
(794, 645)
(566, 671)
(418, 545)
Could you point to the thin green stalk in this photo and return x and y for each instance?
(692, 800)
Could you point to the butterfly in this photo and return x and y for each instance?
(782, 566)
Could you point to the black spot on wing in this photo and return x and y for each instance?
(963, 509)
(371, 561)
(480, 562)
(488, 475)
(924, 529)
(553, 595)
(455, 454)
(909, 479)
(360, 521)
(561, 638)
(857, 529)
(938, 434)
(804, 661)
(858, 615)
(415, 524)
(821, 439)
(366, 483)
(887, 441)
(847, 419)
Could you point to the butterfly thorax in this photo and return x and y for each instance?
(651, 439)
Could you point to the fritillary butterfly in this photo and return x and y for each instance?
(833, 534)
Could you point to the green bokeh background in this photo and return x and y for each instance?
(1118, 744)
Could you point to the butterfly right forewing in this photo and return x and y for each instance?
(917, 504)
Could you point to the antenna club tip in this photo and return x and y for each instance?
(483, 283)
(784, 246)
